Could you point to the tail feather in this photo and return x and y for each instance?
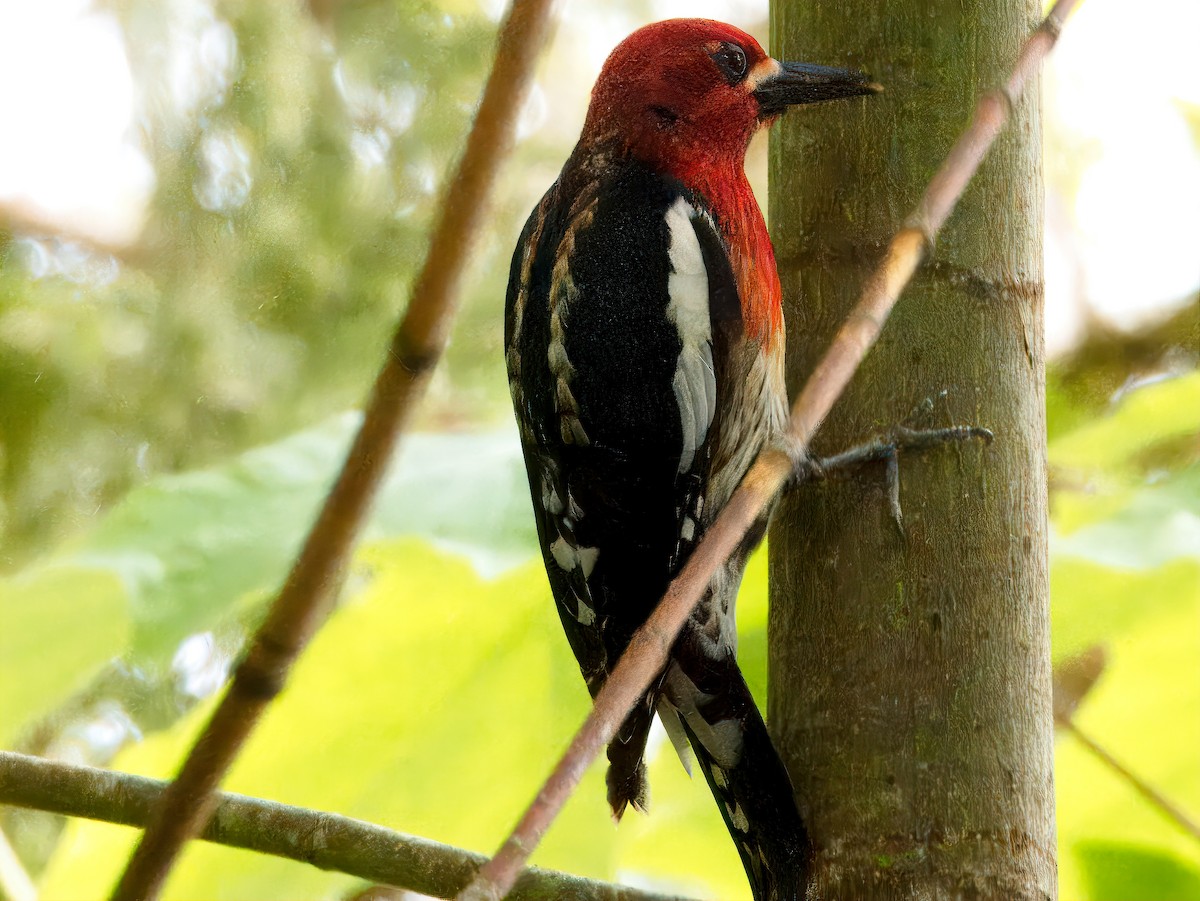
(703, 701)
(626, 762)
(673, 725)
(749, 781)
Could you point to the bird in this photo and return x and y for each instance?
(644, 343)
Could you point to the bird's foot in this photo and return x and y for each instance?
(887, 450)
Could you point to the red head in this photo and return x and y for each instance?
(688, 94)
(685, 96)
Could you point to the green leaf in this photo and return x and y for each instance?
(433, 702)
(1141, 711)
(188, 547)
(752, 625)
(1124, 503)
(1092, 603)
(1143, 529)
(60, 625)
(1147, 416)
(1114, 871)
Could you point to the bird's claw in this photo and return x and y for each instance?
(887, 450)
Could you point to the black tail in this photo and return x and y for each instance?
(744, 773)
(626, 762)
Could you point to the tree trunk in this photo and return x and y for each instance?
(910, 673)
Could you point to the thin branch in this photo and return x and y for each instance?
(325, 840)
(1147, 791)
(648, 650)
(304, 601)
(1073, 680)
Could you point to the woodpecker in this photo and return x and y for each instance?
(644, 343)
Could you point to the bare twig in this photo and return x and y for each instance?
(1141, 786)
(1073, 679)
(648, 650)
(303, 602)
(325, 840)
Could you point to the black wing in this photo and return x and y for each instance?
(622, 327)
(610, 343)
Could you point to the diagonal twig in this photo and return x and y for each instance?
(647, 653)
(1140, 785)
(328, 841)
(303, 602)
(1074, 678)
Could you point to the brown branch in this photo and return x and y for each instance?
(1074, 678)
(648, 650)
(1147, 791)
(325, 840)
(303, 602)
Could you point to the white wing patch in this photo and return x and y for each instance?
(737, 817)
(673, 725)
(568, 557)
(695, 380)
(563, 516)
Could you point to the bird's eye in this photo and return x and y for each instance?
(732, 60)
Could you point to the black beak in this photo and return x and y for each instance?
(800, 83)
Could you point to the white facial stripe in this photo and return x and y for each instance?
(767, 68)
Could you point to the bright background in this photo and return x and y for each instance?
(209, 216)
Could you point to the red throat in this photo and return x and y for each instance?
(751, 254)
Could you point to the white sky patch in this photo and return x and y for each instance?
(1138, 219)
(194, 56)
(595, 30)
(1114, 83)
(533, 113)
(201, 665)
(66, 96)
(225, 182)
(493, 9)
(1066, 309)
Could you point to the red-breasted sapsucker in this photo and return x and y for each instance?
(644, 342)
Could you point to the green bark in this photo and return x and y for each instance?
(910, 675)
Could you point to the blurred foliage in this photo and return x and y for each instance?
(193, 552)
(297, 165)
(403, 713)
(159, 464)
(1125, 555)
